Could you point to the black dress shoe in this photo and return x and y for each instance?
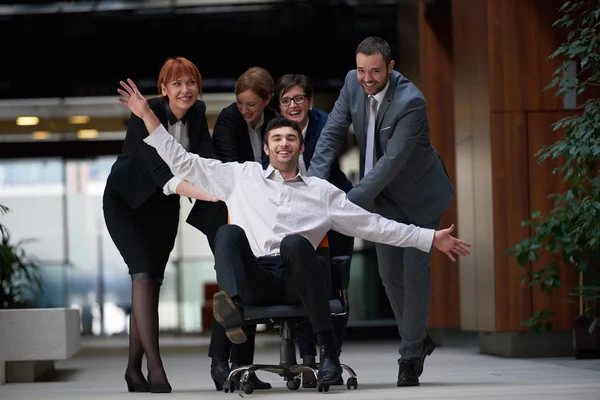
(407, 373)
(257, 383)
(312, 384)
(428, 347)
(219, 372)
(330, 369)
(230, 314)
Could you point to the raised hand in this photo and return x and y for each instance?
(133, 99)
(442, 240)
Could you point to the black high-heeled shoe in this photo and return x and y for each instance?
(160, 387)
(219, 372)
(257, 383)
(136, 387)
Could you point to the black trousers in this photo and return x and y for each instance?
(339, 245)
(297, 276)
(221, 347)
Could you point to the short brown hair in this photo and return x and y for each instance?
(174, 67)
(257, 79)
(375, 45)
(288, 81)
(282, 122)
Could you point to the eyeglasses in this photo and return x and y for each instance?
(298, 99)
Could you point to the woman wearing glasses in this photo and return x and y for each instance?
(294, 94)
(238, 137)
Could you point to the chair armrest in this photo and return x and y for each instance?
(341, 265)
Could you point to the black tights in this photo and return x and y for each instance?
(143, 332)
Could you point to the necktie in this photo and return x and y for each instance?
(370, 152)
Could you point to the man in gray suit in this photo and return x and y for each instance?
(402, 178)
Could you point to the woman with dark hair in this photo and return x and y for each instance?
(141, 210)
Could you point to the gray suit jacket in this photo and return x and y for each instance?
(408, 179)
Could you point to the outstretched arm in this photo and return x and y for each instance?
(352, 220)
(216, 178)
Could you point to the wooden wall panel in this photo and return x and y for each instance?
(521, 38)
(511, 206)
(437, 85)
(541, 184)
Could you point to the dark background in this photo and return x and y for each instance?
(48, 53)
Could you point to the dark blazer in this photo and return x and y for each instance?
(230, 136)
(139, 172)
(316, 122)
(409, 174)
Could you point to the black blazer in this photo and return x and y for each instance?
(139, 172)
(316, 122)
(230, 136)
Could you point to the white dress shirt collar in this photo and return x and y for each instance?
(272, 173)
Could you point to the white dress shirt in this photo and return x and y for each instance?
(270, 208)
(256, 138)
(179, 131)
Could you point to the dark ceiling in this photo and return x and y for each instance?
(87, 53)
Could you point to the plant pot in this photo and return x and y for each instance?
(586, 344)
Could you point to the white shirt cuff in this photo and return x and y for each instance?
(426, 239)
(171, 186)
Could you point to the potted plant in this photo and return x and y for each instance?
(55, 331)
(20, 280)
(570, 232)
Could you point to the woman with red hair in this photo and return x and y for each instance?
(141, 210)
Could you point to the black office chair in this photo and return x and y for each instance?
(286, 319)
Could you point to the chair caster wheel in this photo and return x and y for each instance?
(248, 388)
(352, 383)
(323, 387)
(293, 384)
(229, 386)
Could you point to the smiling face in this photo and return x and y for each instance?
(372, 72)
(283, 146)
(181, 83)
(251, 106)
(298, 107)
(253, 92)
(182, 93)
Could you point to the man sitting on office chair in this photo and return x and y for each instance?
(266, 255)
